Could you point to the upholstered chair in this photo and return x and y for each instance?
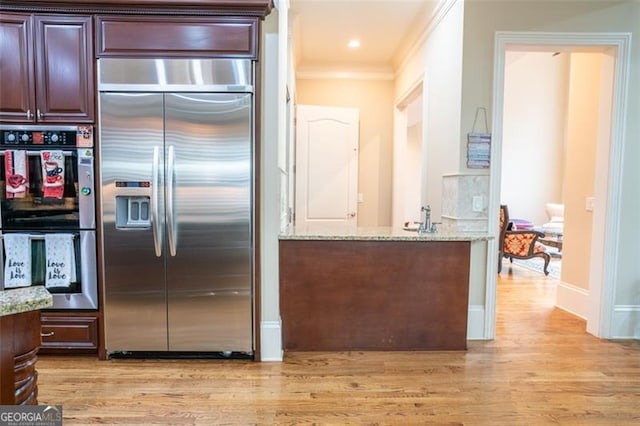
(516, 244)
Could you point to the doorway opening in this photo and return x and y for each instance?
(557, 111)
(596, 301)
(408, 157)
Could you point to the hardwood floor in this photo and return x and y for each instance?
(542, 369)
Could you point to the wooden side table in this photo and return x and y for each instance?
(552, 241)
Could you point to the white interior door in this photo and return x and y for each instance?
(326, 166)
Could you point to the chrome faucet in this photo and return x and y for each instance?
(426, 226)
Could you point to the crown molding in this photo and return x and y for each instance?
(346, 74)
(441, 10)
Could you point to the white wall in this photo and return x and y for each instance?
(407, 160)
(627, 295)
(270, 180)
(438, 60)
(533, 141)
(412, 167)
(582, 138)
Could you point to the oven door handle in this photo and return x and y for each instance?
(171, 225)
(155, 183)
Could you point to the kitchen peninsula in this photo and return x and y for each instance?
(374, 289)
(20, 336)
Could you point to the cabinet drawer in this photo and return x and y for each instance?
(75, 334)
(165, 37)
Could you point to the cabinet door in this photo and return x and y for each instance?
(64, 69)
(17, 93)
(156, 37)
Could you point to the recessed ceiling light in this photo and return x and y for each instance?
(355, 43)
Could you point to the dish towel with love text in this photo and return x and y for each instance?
(61, 260)
(17, 265)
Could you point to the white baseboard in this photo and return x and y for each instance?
(271, 341)
(572, 299)
(626, 322)
(271, 332)
(475, 323)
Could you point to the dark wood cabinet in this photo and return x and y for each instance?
(162, 36)
(20, 337)
(46, 68)
(64, 69)
(17, 90)
(48, 52)
(64, 332)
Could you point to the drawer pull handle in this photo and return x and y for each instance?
(49, 334)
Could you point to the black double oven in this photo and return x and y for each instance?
(47, 198)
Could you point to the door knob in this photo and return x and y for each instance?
(352, 214)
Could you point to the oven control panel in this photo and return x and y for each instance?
(29, 137)
(26, 136)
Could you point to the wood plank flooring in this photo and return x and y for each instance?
(542, 369)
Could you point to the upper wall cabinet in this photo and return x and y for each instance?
(165, 36)
(46, 68)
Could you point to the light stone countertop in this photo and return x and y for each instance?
(337, 233)
(23, 299)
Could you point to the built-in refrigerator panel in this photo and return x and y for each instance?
(171, 75)
(177, 190)
(131, 149)
(208, 221)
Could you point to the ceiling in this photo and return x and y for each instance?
(322, 28)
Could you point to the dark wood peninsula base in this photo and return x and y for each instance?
(19, 343)
(20, 337)
(374, 295)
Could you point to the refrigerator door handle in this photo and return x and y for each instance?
(170, 193)
(155, 223)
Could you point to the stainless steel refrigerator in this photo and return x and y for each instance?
(176, 167)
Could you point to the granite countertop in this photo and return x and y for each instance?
(23, 299)
(375, 234)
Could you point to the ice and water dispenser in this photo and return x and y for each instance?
(133, 205)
